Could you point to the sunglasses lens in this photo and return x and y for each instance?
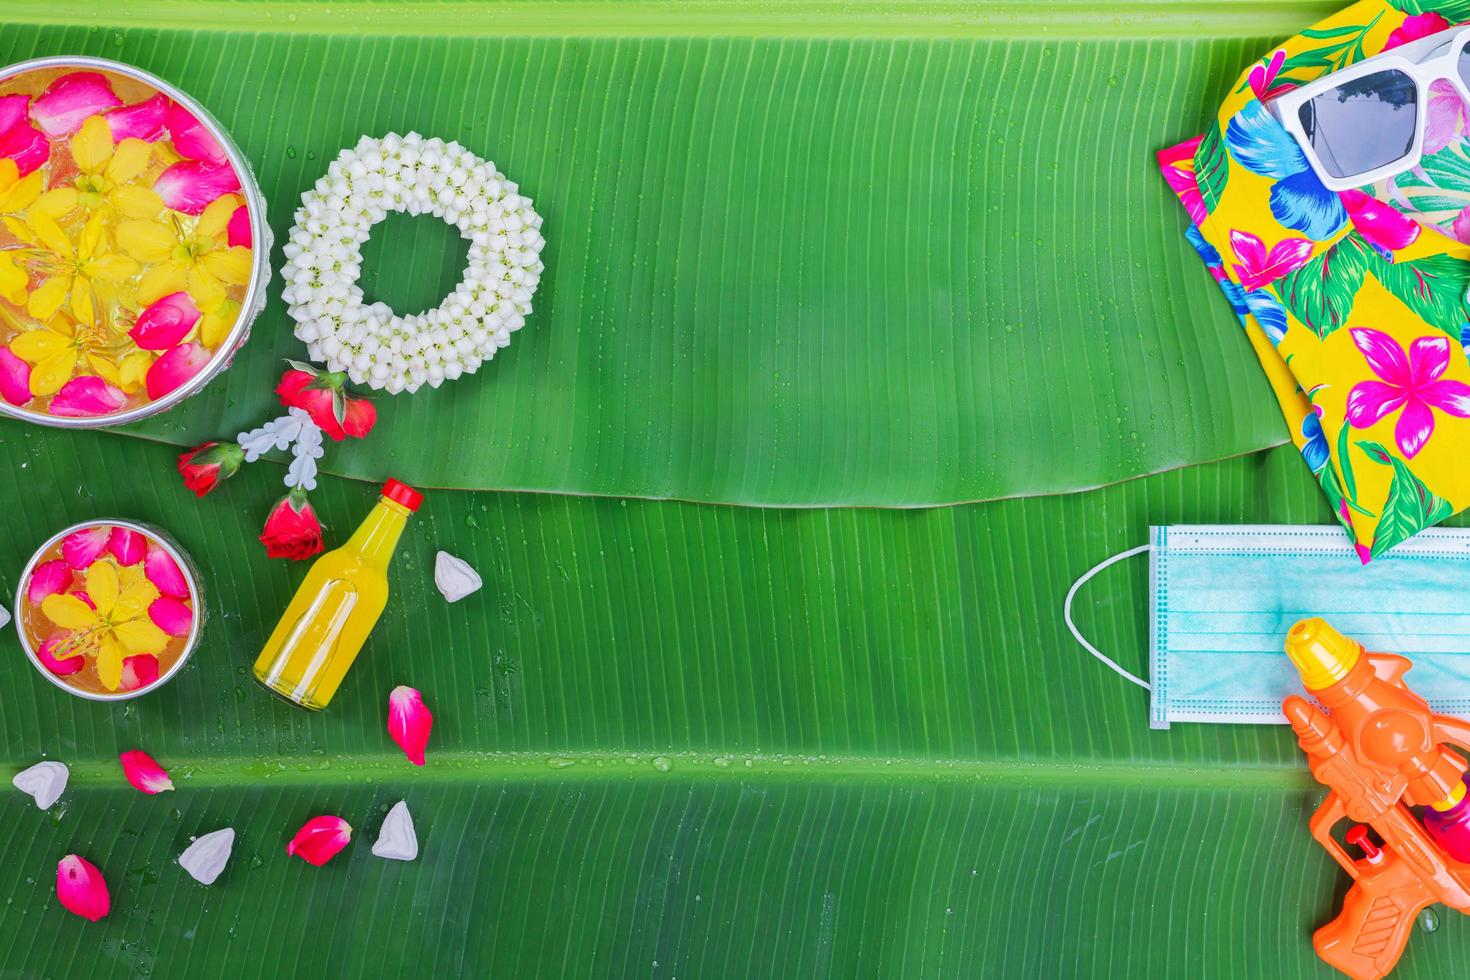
(1364, 124)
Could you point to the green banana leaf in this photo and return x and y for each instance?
(806, 254)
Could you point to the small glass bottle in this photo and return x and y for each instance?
(335, 608)
(1449, 823)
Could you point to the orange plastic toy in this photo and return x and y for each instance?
(1380, 751)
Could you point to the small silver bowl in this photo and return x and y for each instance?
(253, 302)
(154, 535)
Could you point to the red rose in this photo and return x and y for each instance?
(205, 467)
(323, 395)
(292, 529)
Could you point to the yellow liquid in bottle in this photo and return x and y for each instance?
(333, 612)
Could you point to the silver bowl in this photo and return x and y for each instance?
(196, 600)
(250, 306)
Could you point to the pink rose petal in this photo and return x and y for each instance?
(85, 396)
(146, 775)
(409, 722)
(26, 145)
(164, 573)
(81, 888)
(15, 378)
(12, 110)
(175, 368)
(66, 104)
(127, 546)
(48, 579)
(239, 228)
(319, 839)
(66, 665)
(138, 671)
(81, 548)
(171, 616)
(140, 121)
(166, 322)
(191, 186)
(190, 137)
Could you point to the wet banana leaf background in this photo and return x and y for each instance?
(866, 328)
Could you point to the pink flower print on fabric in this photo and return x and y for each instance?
(1415, 27)
(1411, 383)
(1263, 76)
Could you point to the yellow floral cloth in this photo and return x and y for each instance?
(1355, 302)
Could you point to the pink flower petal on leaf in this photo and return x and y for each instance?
(191, 186)
(68, 101)
(12, 110)
(165, 573)
(146, 775)
(1380, 223)
(409, 722)
(1384, 356)
(46, 653)
(175, 368)
(81, 548)
(319, 839)
(171, 616)
(48, 579)
(190, 137)
(165, 323)
(81, 888)
(86, 396)
(140, 121)
(127, 546)
(26, 145)
(138, 671)
(1370, 401)
(15, 378)
(239, 228)
(1414, 427)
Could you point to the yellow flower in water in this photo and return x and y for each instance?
(13, 278)
(17, 193)
(71, 269)
(117, 627)
(103, 183)
(56, 350)
(200, 261)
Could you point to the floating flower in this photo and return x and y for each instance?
(81, 548)
(199, 261)
(319, 839)
(206, 467)
(117, 626)
(81, 888)
(190, 137)
(166, 322)
(17, 193)
(68, 101)
(57, 350)
(409, 722)
(1258, 267)
(127, 545)
(13, 111)
(292, 529)
(323, 395)
(175, 368)
(71, 269)
(1410, 382)
(191, 186)
(146, 775)
(87, 396)
(20, 142)
(46, 653)
(171, 616)
(238, 230)
(142, 121)
(105, 171)
(49, 578)
(15, 378)
(164, 573)
(138, 671)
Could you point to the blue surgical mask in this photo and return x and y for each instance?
(1223, 598)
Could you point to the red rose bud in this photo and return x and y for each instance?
(206, 467)
(292, 529)
(323, 395)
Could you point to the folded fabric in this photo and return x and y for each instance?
(1354, 301)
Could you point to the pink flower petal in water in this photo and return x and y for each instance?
(81, 888)
(48, 579)
(85, 599)
(190, 137)
(141, 121)
(12, 110)
(26, 145)
(146, 775)
(171, 616)
(66, 665)
(81, 548)
(409, 722)
(127, 546)
(15, 378)
(175, 368)
(85, 396)
(166, 322)
(1380, 223)
(191, 186)
(138, 671)
(68, 101)
(319, 839)
(164, 573)
(239, 228)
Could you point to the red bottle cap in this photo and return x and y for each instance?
(402, 493)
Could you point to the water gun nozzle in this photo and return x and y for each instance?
(1322, 655)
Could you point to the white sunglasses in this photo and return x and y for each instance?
(1366, 122)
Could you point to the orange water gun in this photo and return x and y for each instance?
(1379, 749)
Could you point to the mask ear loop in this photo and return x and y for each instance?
(1077, 634)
